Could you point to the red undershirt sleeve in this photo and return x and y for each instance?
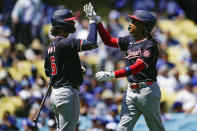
(106, 37)
(130, 70)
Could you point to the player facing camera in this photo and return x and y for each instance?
(143, 93)
(144, 17)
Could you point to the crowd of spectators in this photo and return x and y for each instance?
(25, 33)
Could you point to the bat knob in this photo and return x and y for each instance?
(35, 120)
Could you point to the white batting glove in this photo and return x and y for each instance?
(83, 69)
(91, 14)
(104, 75)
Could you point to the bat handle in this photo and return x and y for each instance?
(42, 103)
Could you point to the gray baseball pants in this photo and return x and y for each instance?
(144, 100)
(65, 105)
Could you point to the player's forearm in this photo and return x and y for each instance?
(106, 37)
(130, 70)
(92, 36)
(91, 42)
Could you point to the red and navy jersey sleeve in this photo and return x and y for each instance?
(106, 37)
(149, 53)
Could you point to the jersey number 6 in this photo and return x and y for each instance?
(53, 66)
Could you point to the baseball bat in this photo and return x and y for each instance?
(42, 103)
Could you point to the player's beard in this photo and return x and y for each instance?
(131, 31)
(129, 28)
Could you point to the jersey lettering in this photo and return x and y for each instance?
(51, 49)
(146, 51)
(53, 65)
(133, 54)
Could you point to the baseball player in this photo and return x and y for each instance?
(62, 65)
(143, 93)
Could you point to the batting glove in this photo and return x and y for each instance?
(83, 69)
(91, 14)
(103, 75)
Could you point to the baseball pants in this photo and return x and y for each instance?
(144, 100)
(65, 105)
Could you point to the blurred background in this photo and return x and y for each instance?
(24, 35)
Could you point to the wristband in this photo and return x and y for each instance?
(128, 70)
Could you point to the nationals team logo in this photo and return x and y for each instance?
(133, 54)
(146, 53)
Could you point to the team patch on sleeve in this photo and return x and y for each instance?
(146, 53)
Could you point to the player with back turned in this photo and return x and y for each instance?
(143, 93)
(62, 65)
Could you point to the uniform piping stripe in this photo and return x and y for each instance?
(63, 126)
(81, 42)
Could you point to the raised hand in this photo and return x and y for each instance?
(90, 13)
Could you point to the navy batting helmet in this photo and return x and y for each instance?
(61, 20)
(145, 17)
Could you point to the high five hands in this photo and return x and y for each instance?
(91, 14)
